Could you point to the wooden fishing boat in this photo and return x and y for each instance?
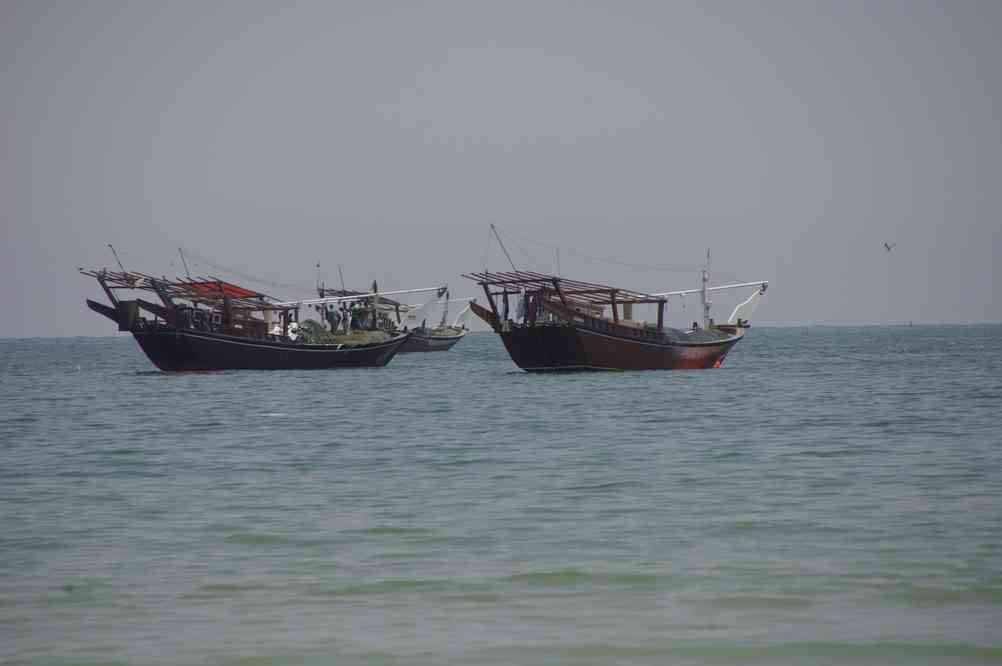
(211, 324)
(551, 323)
(394, 315)
(442, 337)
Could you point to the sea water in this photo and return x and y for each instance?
(830, 496)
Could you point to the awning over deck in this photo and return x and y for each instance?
(576, 290)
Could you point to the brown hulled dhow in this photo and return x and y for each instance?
(551, 323)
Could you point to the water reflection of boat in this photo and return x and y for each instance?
(211, 324)
(550, 323)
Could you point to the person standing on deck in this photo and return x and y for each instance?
(356, 312)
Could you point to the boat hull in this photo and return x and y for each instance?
(593, 344)
(180, 350)
(556, 348)
(429, 343)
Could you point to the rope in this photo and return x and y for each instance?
(612, 260)
(487, 249)
(200, 260)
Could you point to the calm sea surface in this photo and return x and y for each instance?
(830, 496)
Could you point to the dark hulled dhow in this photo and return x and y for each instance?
(549, 323)
(210, 324)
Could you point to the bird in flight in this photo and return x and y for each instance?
(889, 246)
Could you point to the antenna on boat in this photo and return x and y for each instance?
(117, 260)
(341, 275)
(503, 248)
(183, 261)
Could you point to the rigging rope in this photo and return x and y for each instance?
(487, 248)
(617, 262)
(240, 274)
(503, 248)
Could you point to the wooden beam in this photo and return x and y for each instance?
(490, 301)
(102, 280)
(556, 285)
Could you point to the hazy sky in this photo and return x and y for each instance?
(792, 138)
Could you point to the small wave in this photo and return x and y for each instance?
(585, 654)
(804, 652)
(463, 463)
(942, 596)
(257, 539)
(728, 455)
(78, 592)
(812, 650)
(826, 453)
(265, 660)
(26, 418)
(222, 590)
(391, 531)
(549, 510)
(602, 487)
(750, 601)
(474, 597)
(742, 525)
(574, 577)
(385, 587)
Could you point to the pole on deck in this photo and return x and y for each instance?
(117, 260)
(503, 248)
(184, 262)
(556, 287)
(490, 301)
(703, 292)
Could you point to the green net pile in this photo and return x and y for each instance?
(312, 332)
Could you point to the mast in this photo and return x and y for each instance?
(703, 292)
(503, 248)
(119, 261)
(185, 262)
(445, 310)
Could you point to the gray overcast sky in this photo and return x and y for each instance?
(793, 138)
